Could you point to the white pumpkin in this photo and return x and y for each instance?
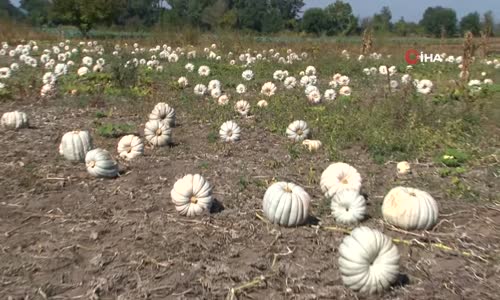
(410, 209)
(242, 107)
(298, 131)
(286, 204)
(130, 146)
(312, 145)
(100, 163)
(339, 176)
(369, 261)
(15, 120)
(403, 168)
(163, 112)
(230, 131)
(75, 145)
(192, 195)
(348, 207)
(157, 133)
(262, 103)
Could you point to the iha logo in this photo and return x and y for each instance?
(414, 57)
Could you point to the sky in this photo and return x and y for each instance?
(411, 10)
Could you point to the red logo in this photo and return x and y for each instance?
(412, 57)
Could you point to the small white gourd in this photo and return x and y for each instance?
(410, 209)
(157, 133)
(163, 112)
(339, 176)
(14, 120)
(286, 204)
(348, 207)
(369, 261)
(262, 103)
(230, 132)
(298, 131)
(312, 145)
(403, 168)
(242, 107)
(192, 195)
(130, 147)
(100, 163)
(75, 145)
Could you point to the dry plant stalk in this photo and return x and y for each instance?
(367, 42)
(427, 244)
(485, 36)
(467, 57)
(484, 43)
(443, 37)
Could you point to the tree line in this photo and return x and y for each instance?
(265, 16)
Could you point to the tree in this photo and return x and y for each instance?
(229, 19)
(251, 13)
(213, 15)
(138, 12)
(262, 15)
(472, 23)
(382, 21)
(258, 15)
(340, 19)
(38, 11)
(437, 18)
(7, 10)
(84, 14)
(403, 28)
(314, 21)
(488, 23)
(289, 9)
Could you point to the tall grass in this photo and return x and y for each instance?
(13, 31)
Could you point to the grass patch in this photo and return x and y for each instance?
(110, 130)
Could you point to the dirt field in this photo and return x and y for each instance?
(65, 235)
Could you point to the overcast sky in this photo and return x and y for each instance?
(411, 10)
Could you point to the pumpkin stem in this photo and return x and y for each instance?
(229, 133)
(194, 200)
(413, 194)
(300, 132)
(158, 131)
(91, 164)
(344, 181)
(288, 189)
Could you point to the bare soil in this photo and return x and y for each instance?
(66, 235)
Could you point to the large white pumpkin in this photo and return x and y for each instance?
(410, 209)
(100, 163)
(286, 204)
(369, 261)
(130, 146)
(192, 195)
(157, 133)
(75, 145)
(297, 131)
(339, 176)
(163, 112)
(14, 120)
(230, 132)
(348, 206)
